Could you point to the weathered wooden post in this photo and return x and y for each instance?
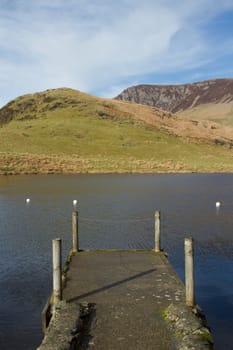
(189, 272)
(57, 271)
(157, 231)
(75, 231)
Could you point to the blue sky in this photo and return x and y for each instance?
(103, 46)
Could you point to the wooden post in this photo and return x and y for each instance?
(75, 231)
(157, 231)
(189, 272)
(57, 282)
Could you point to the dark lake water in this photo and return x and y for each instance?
(116, 211)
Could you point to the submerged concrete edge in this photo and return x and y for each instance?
(189, 326)
(63, 328)
(68, 327)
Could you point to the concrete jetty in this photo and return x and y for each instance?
(129, 292)
(120, 299)
(124, 300)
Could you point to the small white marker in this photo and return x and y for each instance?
(28, 200)
(75, 201)
(218, 204)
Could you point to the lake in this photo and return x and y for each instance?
(115, 211)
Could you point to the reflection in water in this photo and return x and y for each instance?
(115, 211)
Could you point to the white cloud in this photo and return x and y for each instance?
(98, 46)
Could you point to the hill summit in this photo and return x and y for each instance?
(67, 131)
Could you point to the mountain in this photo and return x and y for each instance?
(176, 98)
(210, 100)
(67, 131)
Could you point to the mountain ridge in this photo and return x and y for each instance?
(177, 98)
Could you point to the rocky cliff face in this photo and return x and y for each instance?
(176, 98)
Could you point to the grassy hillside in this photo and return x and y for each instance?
(66, 131)
(221, 113)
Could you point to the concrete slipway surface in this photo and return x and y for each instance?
(124, 300)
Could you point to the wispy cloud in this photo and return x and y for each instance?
(100, 46)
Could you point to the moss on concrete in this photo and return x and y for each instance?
(189, 326)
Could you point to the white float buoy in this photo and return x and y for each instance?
(218, 204)
(75, 201)
(28, 200)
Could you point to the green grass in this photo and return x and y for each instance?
(95, 132)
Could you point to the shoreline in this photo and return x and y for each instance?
(117, 173)
(54, 164)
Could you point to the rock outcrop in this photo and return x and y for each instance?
(176, 98)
